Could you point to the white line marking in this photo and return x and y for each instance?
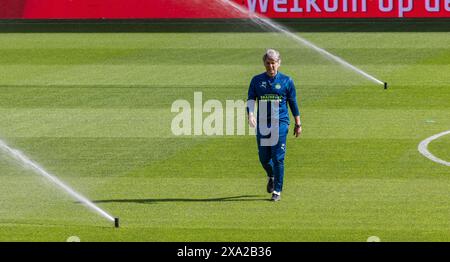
(424, 150)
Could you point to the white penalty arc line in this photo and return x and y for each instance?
(423, 148)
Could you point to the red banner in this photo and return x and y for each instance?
(350, 8)
(153, 9)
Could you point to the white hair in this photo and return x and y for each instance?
(272, 54)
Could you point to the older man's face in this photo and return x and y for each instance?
(271, 66)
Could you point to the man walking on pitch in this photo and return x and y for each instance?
(273, 91)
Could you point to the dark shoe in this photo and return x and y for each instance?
(275, 197)
(270, 185)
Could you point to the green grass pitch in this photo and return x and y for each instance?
(95, 110)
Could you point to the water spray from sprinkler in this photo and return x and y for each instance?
(260, 19)
(23, 159)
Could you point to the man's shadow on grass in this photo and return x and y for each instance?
(243, 198)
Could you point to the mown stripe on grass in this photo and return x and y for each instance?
(216, 56)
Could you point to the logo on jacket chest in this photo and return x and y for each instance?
(265, 85)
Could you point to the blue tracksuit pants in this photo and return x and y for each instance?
(272, 157)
